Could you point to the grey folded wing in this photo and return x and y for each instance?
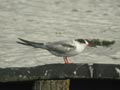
(60, 47)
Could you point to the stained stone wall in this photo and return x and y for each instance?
(60, 72)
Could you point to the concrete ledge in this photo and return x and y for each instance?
(60, 71)
(109, 71)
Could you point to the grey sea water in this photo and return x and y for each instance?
(54, 20)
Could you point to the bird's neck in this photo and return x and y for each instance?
(80, 47)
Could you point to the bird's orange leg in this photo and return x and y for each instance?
(66, 60)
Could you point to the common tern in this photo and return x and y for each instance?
(65, 48)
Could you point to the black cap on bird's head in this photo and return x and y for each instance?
(82, 41)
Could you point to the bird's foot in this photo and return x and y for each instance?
(66, 60)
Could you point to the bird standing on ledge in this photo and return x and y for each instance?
(65, 48)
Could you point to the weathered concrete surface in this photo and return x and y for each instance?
(53, 71)
(106, 71)
(52, 20)
(61, 71)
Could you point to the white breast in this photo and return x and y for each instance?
(79, 47)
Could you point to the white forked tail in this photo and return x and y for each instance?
(30, 43)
